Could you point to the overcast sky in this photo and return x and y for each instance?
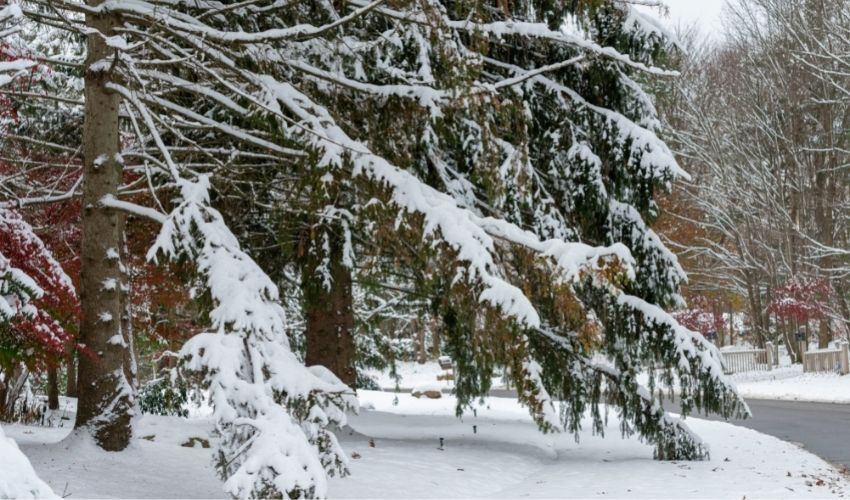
(705, 13)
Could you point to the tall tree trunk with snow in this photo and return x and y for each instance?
(329, 311)
(105, 397)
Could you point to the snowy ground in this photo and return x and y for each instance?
(17, 477)
(791, 384)
(394, 447)
(156, 467)
(414, 375)
(788, 382)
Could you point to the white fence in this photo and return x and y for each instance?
(751, 360)
(828, 360)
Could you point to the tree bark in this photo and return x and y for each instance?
(730, 338)
(421, 348)
(53, 388)
(824, 334)
(16, 379)
(791, 343)
(756, 316)
(843, 307)
(105, 396)
(329, 315)
(71, 367)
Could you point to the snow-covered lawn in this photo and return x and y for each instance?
(496, 453)
(784, 383)
(156, 467)
(412, 375)
(790, 383)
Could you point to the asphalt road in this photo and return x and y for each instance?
(821, 428)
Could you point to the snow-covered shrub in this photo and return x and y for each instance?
(272, 412)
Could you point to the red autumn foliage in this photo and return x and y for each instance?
(701, 316)
(801, 298)
(45, 252)
(49, 249)
(47, 335)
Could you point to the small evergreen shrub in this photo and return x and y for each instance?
(161, 397)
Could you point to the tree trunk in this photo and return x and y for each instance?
(824, 334)
(329, 313)
(730, 338)
(71, 386)
(105, 396)
(756, 317)
(791, 344)
(16, 380)
(843, 306)
(5, 375)
(53, 388)
(421, 348)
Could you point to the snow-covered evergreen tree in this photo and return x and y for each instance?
(505, 152)
(589, 170)
(504, 132)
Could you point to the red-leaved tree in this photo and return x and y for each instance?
(46, 334)
(801, 299)
(701, 316)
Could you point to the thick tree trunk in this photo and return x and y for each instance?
(105, 396)
(329, 312)
(53, 388)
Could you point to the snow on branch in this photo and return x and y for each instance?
(271, 411)
(656, 157)
(470, 235)
(690, 346)
(10, 70)
(193, 25)
(133, 209)
(16, 290)
(673, 438)
(35, 293)
(508, 28)
(639, 22)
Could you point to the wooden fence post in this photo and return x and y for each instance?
(844, 355)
